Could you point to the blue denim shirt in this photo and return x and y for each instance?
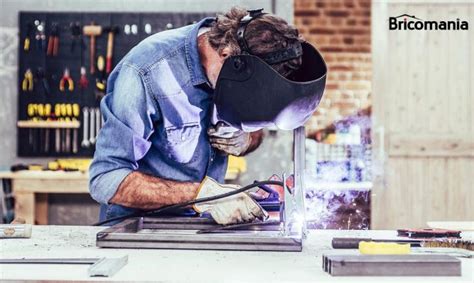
(156, 112)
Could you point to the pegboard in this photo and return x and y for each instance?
(73, 52)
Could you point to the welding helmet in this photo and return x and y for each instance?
(251, 95)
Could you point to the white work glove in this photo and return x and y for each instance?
(229, 139)
(238, 208)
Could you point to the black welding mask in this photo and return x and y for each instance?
(251, 95)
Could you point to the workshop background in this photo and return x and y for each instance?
(391, 144)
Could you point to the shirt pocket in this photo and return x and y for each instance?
(182, 142)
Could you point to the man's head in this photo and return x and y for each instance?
(265, 34)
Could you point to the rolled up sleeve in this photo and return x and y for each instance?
(129, 114)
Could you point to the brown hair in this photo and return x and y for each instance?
(265, 34)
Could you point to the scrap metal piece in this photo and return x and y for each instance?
(391, 265)
(104, 267)
(107, 267)
(49, 261)
(15, 230)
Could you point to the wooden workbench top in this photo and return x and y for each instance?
(183, 265)
(32, 174)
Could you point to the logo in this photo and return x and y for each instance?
(410, 22)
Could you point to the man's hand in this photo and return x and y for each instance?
(229, 210)
(233, 141)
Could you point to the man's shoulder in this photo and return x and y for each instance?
(155, 48)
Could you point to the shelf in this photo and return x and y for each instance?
(338, 186)
(49, 124)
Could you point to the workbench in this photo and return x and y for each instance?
(187, 265)
(31, 188)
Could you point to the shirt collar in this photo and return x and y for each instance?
(198, 76)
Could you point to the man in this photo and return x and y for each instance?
(161, 143)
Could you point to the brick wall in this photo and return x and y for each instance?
(340, 29)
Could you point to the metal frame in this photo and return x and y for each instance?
(183, 233)
(204, 234)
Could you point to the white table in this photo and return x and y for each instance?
(187, 266)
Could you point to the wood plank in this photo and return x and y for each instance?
(41, 209)
(25, 206)
(414, 76)
(396, 63)
(425, 145)
(49, 124)
(52, 186)
(59, 175)
(437, 89)
(457, 104)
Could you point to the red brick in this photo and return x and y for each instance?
(337, 13)
(351, 22)
(307, 13)
(348, 40)
(353, 31)
(320, 3)
(331, 49)
(333, 68)
(331, 86)
(322, 31)
(349, 4)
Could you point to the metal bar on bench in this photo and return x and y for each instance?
(391, 265)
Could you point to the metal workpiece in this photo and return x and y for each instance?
(391, 265)
(184, 233)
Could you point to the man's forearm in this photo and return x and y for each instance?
(142, 191)
(256, 139)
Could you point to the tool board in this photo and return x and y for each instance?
(49, 109)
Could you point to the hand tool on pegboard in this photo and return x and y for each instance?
(41, 76)
(63, 131)
(68, 130)
(92, 31)
(47, 115)
(40, 37)
(98, 120)
(57, 132)
(85, 127)
(53, 41)
(101, 80)
(75, 112)
(28, 82)
(40, 132)
(28, 36)
(76, 36)
(66, 80)
(92, 126)
(83, 81)
(30, 112)
(111, 31)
